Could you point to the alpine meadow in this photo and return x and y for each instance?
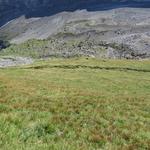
(74, 75)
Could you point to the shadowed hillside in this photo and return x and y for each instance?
(11, 9)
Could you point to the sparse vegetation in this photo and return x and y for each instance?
(73, 47)
(32, 48)
(52, 48)
(79, 103)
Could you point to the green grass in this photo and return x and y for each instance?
(79, 103)
(32, 48)
(58, 48)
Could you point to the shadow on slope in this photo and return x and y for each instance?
(89, 67)
(50, 10)
(97, 6)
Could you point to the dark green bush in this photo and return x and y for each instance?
(4, 44)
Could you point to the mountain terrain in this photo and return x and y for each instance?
(96, 99)
(109, 29)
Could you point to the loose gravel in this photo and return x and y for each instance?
(14, 61)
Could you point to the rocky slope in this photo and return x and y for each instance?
(14, 61)
(123, 28)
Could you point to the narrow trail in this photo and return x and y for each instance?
(89, 67)
(19, 61)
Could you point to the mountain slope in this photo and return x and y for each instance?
(13, 8)
(112, 23)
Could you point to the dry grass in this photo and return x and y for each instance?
(45, 106)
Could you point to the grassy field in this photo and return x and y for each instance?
(76, 104)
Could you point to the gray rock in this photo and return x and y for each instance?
(14, 61)
(121, 26)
